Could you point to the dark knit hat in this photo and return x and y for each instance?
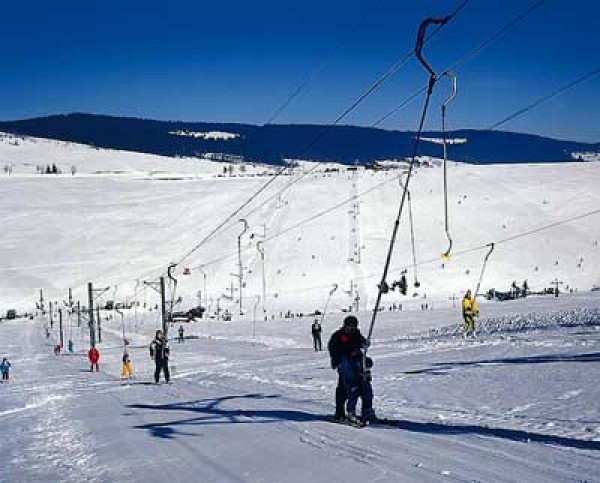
(351, 321)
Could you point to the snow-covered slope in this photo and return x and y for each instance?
(248, 402)
(250, 397)
(116, 229)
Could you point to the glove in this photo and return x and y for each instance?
(367, 344)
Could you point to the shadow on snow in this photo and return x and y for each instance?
(439, 368)
(210, 412)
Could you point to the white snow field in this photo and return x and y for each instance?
(125, 216)
(249, 397)
(247, 402)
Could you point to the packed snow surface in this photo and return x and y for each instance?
(124, 217)
(250, 396)
(248, 401)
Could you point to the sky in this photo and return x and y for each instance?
(238, 61)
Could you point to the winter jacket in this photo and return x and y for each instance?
(159, 349)
(343, 345)
(316, 328)
(126, 359)
(470, 307)
(5, 367)
(93, 355)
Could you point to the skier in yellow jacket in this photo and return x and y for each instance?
(470, 312)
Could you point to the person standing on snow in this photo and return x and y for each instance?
(94, 357)
(127, 369)
(345, 347)
(159, 351)
(470, 312)
(180, 340)
(5, 369)
(316, 334)
(358, 385)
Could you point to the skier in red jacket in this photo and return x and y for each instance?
(94, 357)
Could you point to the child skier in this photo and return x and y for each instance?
(127, 369)
(357, 383)
(5, 368)
(94, 357)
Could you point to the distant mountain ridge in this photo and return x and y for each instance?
(274, 142)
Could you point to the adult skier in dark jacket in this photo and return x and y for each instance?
(344, 345)
(159, 351)
(316, 333)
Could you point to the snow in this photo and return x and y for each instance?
(248, 399)
(448, 140)
(508, 406)
(586, 156)
(125, 216)
(214, 135)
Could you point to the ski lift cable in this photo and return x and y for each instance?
(432, 80)
(465, 251)
(361, 98)
(468, 56)
(307, 220)
(560, 90)
(452, 76)
(459, 253)
(374, 87)
(319, 67)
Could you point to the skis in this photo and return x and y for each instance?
(358, 424)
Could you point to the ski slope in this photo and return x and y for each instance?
(249, 397)
(248, 402)
(123, 217)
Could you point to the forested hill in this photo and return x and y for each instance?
(272, 143)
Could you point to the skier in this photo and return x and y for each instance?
(180, 340)
(344, 344)
(359, 386)
(159, 351)
(127, 369)
(525, 288)
(5, 368)
(316, 334)
(470, 312)
(94, 357)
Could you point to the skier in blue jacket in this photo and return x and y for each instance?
(5, 368)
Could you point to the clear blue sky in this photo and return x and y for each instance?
(238, 60)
